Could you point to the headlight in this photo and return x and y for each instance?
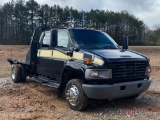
(94, 73)
(148, 71)
(98, 74)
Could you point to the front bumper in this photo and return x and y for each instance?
(117, 90)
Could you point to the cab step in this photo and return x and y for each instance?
(46, 81)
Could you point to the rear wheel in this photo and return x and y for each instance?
(18, 73)
(24, 73)
(75, 96)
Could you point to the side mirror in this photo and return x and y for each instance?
(125, 43)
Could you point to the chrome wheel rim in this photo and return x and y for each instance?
(13, 73)
(72, 95)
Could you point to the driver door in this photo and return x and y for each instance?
(59, 58)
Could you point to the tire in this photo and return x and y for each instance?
(78, 101)
(16, 73)
(24, 73)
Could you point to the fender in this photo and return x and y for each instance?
(72, 66)
(15, 61)
(76, 67)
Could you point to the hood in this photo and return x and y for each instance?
(114, 54)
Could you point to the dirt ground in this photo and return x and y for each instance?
(30, 100)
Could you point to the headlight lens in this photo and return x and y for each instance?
(149, 70)
(94, 73)
(99, 73)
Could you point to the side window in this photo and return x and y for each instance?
(62, 38)
(46, 39)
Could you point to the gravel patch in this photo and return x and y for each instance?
(31, 100)
(5, 81)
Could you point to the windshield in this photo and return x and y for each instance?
(93, 39)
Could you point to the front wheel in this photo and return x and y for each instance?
(75, 97)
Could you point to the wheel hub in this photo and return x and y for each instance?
(73, 95)
(13, 73)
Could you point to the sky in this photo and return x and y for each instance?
(146, 10)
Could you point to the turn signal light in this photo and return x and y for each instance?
(149, 70)
(88, 62)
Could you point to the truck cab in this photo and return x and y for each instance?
(85, 64)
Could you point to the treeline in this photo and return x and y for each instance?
(19, 18)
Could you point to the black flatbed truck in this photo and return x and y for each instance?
(85, 63)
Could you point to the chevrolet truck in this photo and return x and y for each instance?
(83, 64)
